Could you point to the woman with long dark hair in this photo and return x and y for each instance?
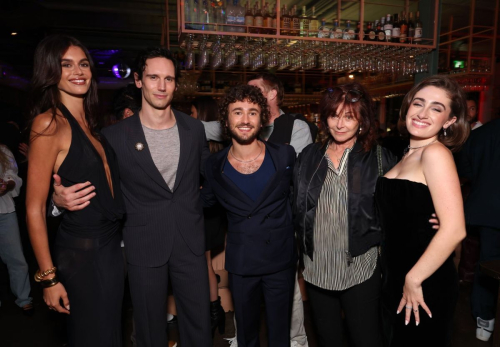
(336, 223)
(84, 278)
(421, 280)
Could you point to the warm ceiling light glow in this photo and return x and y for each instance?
(13, 34)
(351, 76)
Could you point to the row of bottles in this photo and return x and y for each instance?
(206, 14)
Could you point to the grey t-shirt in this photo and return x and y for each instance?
(164, 146)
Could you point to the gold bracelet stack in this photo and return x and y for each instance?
(40, 275)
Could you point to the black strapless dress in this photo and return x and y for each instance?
(87, 249)
(405, 208)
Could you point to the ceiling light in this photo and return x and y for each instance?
(13, 33)
(351, 76)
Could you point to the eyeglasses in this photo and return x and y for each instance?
(351, 96)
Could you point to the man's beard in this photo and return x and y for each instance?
(244, 141)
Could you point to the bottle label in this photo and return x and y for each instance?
(396, 32)
(338, 33)
(258, 21)
(381, 36)
(321, 34)
(285, 23)
(313, 25)
(388, 33)
(296, 23)
(240, 20)
(402, 38)
(361, 35)
(351, 34)
(274, 22)
(268, 23)
(411, 32)
(230, 19)
(418, 33)
(372, 35)
(248, 20)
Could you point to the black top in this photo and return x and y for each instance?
(83, 163)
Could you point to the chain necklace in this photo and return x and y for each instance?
(246, 161)
(408, 148)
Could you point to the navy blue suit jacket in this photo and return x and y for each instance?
(260, 237)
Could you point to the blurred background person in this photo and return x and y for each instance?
(205, 108)
(11, 250)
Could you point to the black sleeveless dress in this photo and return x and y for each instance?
(87, 249)
(405, 208)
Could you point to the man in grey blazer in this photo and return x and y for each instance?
(161, 153)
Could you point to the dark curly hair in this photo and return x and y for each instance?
(458, 132)
(242, 93)
(155, 52)
(363, 110)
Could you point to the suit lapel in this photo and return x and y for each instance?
(185, 143)
(143, 157)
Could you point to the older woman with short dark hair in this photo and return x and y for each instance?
(335, 219)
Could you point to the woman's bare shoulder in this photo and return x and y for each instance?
(49, 124)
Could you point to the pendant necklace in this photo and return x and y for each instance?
(408, 148)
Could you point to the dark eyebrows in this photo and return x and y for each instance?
(250, 109)
(434, 102)
(71, 60)
(155, 75)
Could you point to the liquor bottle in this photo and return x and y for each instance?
(258, 19)
(388, 28)
(220, 14)
(358, 34)
(268, 20)
(372, 31)
(411, 28)
(380, 31)
(285, 21)
(274, 16)
(336, 32)
(248, 16)
(304, 23)
(313, 24)
(295, 26)
(403, 37)
(396, 29)
(348, 33)
(324, 30)
(230, 16)
(418, 29)
(240, 16)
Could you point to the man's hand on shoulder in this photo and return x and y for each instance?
(73, 198)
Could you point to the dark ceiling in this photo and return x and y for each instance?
(113, 30)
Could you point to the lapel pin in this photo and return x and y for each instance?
(139, 146)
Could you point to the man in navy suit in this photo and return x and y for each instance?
(251, 180)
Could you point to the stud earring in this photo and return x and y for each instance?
(444, 132)
(360, 130)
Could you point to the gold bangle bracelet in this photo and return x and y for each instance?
(40, 275)
(49, 283)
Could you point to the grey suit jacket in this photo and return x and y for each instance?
(154, 213)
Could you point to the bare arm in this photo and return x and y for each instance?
(45, 155)
(441, 177)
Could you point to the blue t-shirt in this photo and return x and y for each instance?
(252, 184)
